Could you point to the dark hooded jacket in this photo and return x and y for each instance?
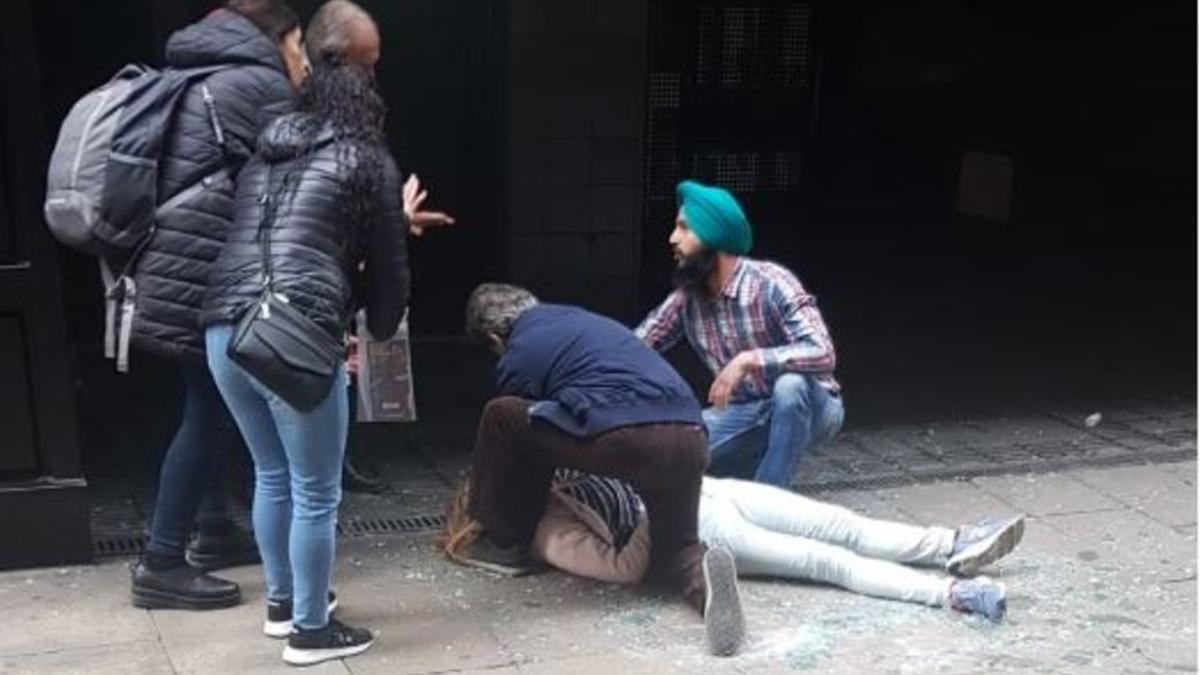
(172, 273)
(325, 261)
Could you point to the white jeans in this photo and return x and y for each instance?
(774, 532)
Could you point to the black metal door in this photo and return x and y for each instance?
(42, 492)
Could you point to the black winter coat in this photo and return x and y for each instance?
(172, 274)
(316, 252)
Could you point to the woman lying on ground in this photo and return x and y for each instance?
(595, 527)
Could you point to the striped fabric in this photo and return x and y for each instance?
(613, 500)
(762, 309)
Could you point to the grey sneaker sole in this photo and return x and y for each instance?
(724, 623)
(986, 551)
(311, 657)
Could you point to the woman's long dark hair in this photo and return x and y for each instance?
(344, 99)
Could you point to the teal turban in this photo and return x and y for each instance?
(715, 216)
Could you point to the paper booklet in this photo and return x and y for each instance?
(385, 389)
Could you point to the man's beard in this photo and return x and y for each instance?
(693, 272)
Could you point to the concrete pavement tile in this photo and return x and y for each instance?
(949, 503)
(866, 503)
(1168, 654)
(1184, 472)
(70, 607)
(225, 641)
(427, 613)
(433, 640)
(144, 657)
(1046, 494)
(1128, 543)
(1149, 488)
(608, 664)
(573, 618)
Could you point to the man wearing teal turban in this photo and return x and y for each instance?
(774, 396)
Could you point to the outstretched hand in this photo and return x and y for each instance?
(418, 220)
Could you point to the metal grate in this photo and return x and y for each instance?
(748, 172)
(729, 99)
(127, 546)
(119, 547)
(755, 45)
(392, 525)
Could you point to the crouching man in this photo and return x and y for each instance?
(579, 391)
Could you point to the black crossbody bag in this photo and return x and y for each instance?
(278, 345)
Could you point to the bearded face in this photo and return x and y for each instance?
(694, 262)
(692, 271)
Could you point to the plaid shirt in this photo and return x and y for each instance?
(762, 309)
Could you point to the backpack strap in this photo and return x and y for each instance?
(120, 292)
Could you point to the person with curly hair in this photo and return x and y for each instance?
(322, 218)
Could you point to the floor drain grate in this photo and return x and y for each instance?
(128, 546)
(386, 525)
(115, 547)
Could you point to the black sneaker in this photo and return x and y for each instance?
(279, 616)
(222, 547)
(724, 624)
(357, 477)
(334, 641)
(181, 587)
(511, 561)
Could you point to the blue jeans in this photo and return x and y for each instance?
(298, 473)
(190, 479)
(766, 439)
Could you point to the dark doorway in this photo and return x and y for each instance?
(42, 492)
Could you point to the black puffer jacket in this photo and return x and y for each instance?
(315, 252)
(172, 273)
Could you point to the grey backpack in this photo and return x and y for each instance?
(101, 187)
(102, 184)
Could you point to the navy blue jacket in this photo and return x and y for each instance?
(590, 374)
